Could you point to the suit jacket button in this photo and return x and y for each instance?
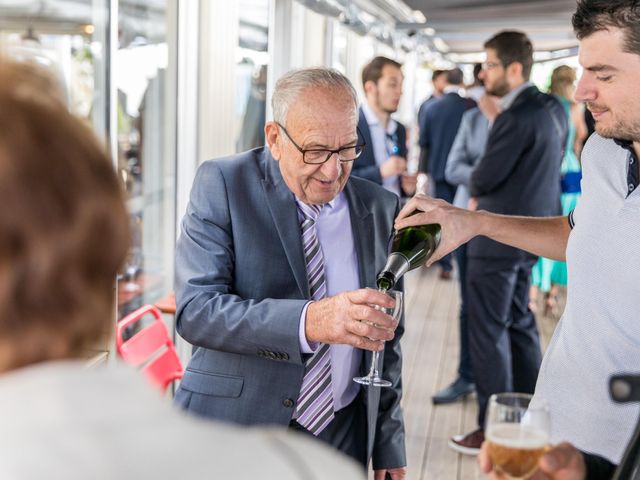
(287, 402)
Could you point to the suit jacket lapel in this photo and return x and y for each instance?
(363, 234)
(362, 226)
(367, 157)
(282, 206)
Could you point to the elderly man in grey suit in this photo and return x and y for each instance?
(276, 248)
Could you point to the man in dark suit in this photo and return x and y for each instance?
(384, 161)
(276, 248)
(439, 82)
(438, 127)
(519, 174)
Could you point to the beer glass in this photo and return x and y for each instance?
(517, 432)
(373, 377)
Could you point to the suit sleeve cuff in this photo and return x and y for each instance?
(305, 346)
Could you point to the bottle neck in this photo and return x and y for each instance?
(397, 265)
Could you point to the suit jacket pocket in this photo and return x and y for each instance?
(213, 384)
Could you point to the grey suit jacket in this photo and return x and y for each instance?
(241, 286)
(467, 150)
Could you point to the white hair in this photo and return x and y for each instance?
(292, 83)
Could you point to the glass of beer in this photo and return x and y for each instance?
(517, 431)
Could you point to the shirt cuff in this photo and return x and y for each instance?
(305, 346)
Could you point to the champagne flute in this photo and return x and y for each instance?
(517, 431)
(373, 377)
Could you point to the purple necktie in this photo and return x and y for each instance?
(314, 409)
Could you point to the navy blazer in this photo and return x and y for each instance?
(365, 166)
(439, 125)
(519, 173)
(241, 286)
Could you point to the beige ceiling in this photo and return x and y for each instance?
(464, 25)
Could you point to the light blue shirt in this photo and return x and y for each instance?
(333, 228)
(382, 145)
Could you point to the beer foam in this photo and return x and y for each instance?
(514, 435)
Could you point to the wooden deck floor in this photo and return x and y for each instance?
(430, 351)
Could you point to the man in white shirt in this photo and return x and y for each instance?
(599, 333)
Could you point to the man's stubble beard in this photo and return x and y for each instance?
(381, 107)
(620, 131)
(500, 88)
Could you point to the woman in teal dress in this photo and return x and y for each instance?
(547, 275)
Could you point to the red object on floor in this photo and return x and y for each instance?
(151, 347)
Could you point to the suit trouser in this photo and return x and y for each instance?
(503, 337)
(445, 191)
(347, 432)
(464, 367)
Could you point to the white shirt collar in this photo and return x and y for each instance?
(372, 119)
(337, 200)
(453, 89)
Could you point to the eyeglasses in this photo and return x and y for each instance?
(315, 156)
(490, 65)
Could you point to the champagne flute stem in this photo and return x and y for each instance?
(373, 372)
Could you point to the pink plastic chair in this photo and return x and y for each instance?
(151, 348)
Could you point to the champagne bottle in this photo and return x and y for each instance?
(410, 248)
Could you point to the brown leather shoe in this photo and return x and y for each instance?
(468, 444)
(446, 274)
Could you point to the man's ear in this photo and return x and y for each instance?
(369, 87)
(272, 138)
(514, 70)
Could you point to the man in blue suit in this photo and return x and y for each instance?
(276, 248)
(438, 127)
(384, 161)
(518, 174)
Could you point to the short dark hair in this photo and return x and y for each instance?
(372, 71)
(512, 47)
(455, 76)
(63, 225)
(436, 73)
(595, 15)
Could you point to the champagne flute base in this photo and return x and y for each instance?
(372, 381)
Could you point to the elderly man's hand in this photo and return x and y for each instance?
(562, 462)
(350, 318)
(457, 224)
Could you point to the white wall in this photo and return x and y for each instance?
(218, 42)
